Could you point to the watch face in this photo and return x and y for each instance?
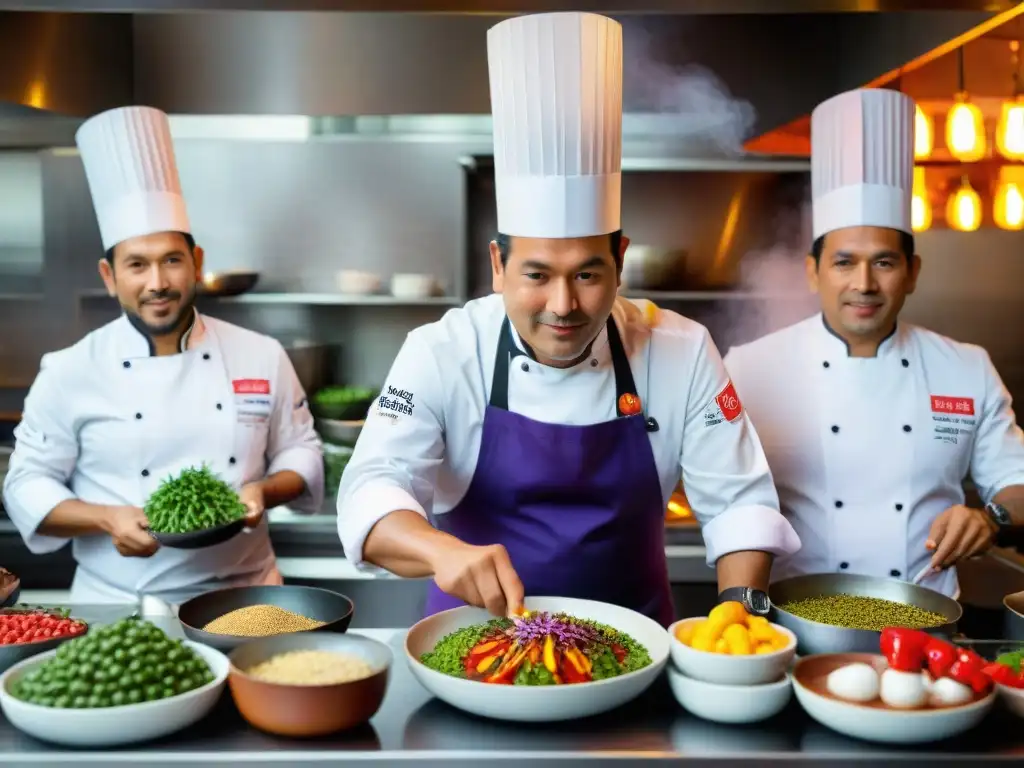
(999, 514)
(759, 602)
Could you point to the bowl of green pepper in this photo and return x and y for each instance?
(343, 403)
(194, 509)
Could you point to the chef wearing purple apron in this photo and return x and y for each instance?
(554, 418)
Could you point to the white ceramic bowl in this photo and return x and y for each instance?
(113, 726)
(885, 725)
(1013, 698)
(352, 281)
(733, 704)
(413, 286)
(724, 669)
(539, 703)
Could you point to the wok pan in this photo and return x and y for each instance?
(311, 602)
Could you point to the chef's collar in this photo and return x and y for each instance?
(597, 349)
(135, 344)
(886, 346)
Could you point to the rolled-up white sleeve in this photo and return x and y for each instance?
(45, 453)
(997, 459)
(725, 473)
(293, 443)
(396, 458)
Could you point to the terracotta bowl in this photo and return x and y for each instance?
(308, 710)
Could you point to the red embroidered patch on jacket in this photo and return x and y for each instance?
(959, 405)
(729, 402)
(251, 386)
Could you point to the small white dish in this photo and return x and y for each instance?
(732, 704)
(725, 669)
(413, 286)
(547, 703)
(358, 283)
(1013, 698)
(113, 726)
(876, 723)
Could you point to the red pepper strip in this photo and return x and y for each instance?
(969, 669)
(904, 649)
(1004, 675)
(941, 656)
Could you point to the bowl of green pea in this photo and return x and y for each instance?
(343, 403)
(194, 509)
(123, 683)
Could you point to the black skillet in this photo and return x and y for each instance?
(311, 602)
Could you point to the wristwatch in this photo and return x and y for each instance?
(753, 600)
(999, 515)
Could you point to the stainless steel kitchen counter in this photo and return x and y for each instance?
(412, 726)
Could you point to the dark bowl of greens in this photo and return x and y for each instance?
(343, 403)
(193, 510)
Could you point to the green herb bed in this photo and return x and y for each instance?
(195, 500)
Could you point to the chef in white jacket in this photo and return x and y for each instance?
(529, 442)
(159, 389)
(871, 424)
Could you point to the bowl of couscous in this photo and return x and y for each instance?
(310, 683)
(227, 618)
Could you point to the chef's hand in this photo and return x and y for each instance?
(255, 503)
(959, 533)
(129, 529)
(480, 576)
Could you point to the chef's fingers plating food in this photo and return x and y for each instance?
(537, 649)
(730, 629)
(129, 662)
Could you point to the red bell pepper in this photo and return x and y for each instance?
(904, 649)
(969, 669)
(941, 656)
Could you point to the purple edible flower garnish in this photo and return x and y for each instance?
(537, 626)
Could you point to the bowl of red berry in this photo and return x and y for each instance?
(26, 631)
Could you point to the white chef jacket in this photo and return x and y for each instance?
(106, 421)
(419, 447)
(867, 452)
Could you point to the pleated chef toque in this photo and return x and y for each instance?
(133, 178)
(556, 101)
(862, 160)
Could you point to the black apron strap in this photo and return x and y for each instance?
(507, 350)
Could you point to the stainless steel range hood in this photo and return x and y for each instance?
(243, 62)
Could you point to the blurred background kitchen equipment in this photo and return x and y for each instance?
(315, 364)
(409, 285)
(352, 281)
(1013, 616)
(232, 282)
(649, 267)
(815, 637)
(10, 588)
(342, 403)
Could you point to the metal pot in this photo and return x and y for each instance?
(814, 637)
(1013, 616)
(229, 283)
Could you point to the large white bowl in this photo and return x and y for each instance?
(1013, 698)
(725, 669)
(733, 704)
(888, 726)
(113, 726)
(539, 703)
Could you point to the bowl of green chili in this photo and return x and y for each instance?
(194, 509)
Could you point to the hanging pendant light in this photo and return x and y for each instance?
(965, 127)
(924, 134)
(1008, 206)
(920, 206)
(963, 210)
(1010, 129)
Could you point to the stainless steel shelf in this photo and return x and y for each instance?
(317, 299)
(712, 295)
(685, 164)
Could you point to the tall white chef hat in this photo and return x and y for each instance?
(129, 163)
(556, 100)
(862, 160)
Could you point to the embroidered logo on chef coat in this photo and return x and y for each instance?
(393, 403)
(725, 407)
(952, 416)
(253, 403)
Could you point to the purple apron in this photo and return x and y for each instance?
(579, 508)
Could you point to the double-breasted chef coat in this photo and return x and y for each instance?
(867, 452)
(106, 421)
(421, 444)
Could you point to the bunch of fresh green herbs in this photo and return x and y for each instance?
(195, 500)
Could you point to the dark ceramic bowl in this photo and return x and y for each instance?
(308, 710)
(12, 654)
(207, 537)
(311, 602)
